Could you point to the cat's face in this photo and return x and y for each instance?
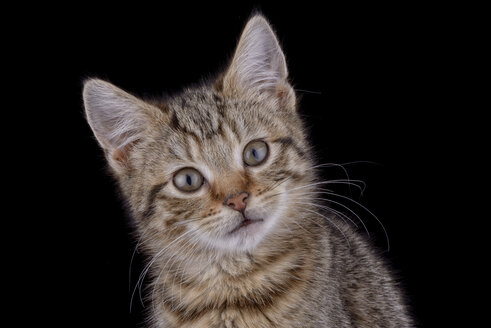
(222, 166)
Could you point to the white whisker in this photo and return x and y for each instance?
(139, 283)
(329, 192)
(350, 183)
(165, 267)
(340, 213)
(329, 209)
(325, 217)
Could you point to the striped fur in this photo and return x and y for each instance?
(294, 268)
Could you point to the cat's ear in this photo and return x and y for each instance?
(259, 65)
(118, 120)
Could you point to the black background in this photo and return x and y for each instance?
(370, 81)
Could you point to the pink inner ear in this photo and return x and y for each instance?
(285, 95)
(122, 154)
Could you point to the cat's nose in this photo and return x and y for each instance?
(237, 201)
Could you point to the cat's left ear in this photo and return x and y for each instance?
(259, 66)
(119, 120)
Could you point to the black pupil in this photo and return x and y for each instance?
(189, 181)
(254, 153)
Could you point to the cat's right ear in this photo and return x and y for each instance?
(119, 120)
(258, 67)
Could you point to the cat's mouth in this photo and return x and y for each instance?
(245, 223)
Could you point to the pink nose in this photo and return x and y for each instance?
(238, 201)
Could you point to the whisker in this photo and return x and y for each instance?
(331, 165)
(325, 217)
(329, 209)
(140, 280)
(181, 273)
(308, 185)
(186, 221)
(341, 165)
(138, 243)
(351, 183)
(172, 258)
(308, 91)
(343, 206)
(280, 182)
(131, 264)
(329, 192)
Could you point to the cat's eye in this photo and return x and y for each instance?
(255, 152)
(188, 179)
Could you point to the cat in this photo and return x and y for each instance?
(221, 182)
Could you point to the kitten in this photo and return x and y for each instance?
(220, 182)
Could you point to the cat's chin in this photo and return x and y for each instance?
(244, 237)
(247, 226)
(248, 231)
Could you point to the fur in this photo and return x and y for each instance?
(294, 267)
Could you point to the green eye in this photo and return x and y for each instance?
(255, 152)
(188, 179)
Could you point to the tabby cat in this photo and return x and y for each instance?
(221, 183)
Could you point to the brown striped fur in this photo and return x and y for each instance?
(295, 268)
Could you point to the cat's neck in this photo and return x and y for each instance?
(249, 280)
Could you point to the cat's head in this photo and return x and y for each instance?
(223, 165)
